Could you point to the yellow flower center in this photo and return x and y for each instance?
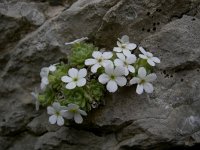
(112, 77)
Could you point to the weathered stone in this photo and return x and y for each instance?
(73, 139)
(162, 115)
(177, 44)
(33, 36)
(24, 142)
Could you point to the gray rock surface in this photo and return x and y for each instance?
(32, 35)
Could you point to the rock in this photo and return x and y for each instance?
(38, 128)
(72, 139)
(15, 118)
(161, 117)
(32, 36)
(25, 141)
(29, 11)
(181, 37)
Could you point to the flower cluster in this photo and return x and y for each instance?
(70, 90)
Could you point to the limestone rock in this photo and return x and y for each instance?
(32, 35)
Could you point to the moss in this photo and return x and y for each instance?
(80, 52)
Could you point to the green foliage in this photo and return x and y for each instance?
(143, 63)
(80, 52)
(75, 96)
(84, 96)
(52, 92)
(95, 89)
(55, 77)
(47, 97)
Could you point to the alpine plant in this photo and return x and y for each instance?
(70, 89)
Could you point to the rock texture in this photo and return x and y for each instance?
(32, 35)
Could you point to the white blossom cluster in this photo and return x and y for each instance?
(119, 70)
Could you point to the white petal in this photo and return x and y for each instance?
(62, 112)
(45, 80)
(142, 72)
(139, 89)
(76, 41)
(150, 62)
(35, 95)
(107, 55)
(82, 73)
(131, 59)
(125, 39)
(126, 52)
(68, 115)
(52, 68)
(117, 49)
(66, 79)
(60, 121)
(131, 68)
(53, 119)
(72, 106)
(97, 54)
(118, 62)
(119, 71)
(126, 71)
(143, 56)
(44, 72)
(78, 118)
(50, 110)
(103, 78)
(121, 81)
(43, 86)
(90, 61)
(109, 69)
(148, 87)
(95, 67)
(149, 54)
(135, 80)
(142, 50)
(155, 59)
(131, 46)
(81, 82)
(82, 112)
(111, 86)
(63, 108)
(56, 106)
(37, 105)
(107, 62)
(151, 77)
(73, 72)
(70, 85)
(119, 44)
(121, 56)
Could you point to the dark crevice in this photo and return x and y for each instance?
(162, 146)
(100, 130)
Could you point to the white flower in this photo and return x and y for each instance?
(113, 78)
(100, 59)
(73, 112)
(35, 99)
(52, 68)
(44, 77)
(143, 80)
(75, 78)
(44, 73)
(57, 112)
(125, 62)
(124, 46)
(149, 57)
(77, 41)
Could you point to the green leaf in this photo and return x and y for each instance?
(80, 52)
